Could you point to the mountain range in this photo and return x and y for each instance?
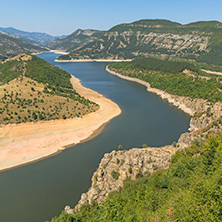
(37, 38)
(10, 47)
(199, 41)
(76, 40)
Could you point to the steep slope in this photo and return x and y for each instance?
(76, 40)
(201, 41)
(189, 190)
(10, 47)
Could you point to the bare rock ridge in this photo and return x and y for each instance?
(117, 166)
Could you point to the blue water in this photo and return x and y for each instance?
(39, 191)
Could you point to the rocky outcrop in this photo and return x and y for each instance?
(188, 105)
(117, 166)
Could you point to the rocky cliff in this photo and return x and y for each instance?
(162, 38)
(117, 166)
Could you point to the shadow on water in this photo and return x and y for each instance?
(39, 191)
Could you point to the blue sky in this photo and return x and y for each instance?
(58, 17)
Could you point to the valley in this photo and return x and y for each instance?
(45, 109)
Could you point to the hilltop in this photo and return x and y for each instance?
(76, 40)
(199, 41)
(34, 90)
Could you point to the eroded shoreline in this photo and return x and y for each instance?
(94, 60)
(28, 142)
(189, 106)
(164, 95)
(139, 159)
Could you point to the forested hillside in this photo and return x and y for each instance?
(177, 78)
(10, 47)
(200, 41)
(189, 190)
(76, 40)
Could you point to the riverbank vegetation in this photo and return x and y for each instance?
(189, 190)
(177, 78)
(34, 90)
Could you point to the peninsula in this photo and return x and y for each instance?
(40, 135)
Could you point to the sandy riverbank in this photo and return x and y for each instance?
(94, 60)
(28, 142)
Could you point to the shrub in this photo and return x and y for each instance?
(120, 147)
(115, 175)
(130, 170)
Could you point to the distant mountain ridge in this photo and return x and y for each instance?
(38, 38)
(76, 40)
(200, 41)
(10, 47)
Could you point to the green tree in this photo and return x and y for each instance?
(34, 116)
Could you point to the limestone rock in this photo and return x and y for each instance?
(69, 210)
(117, 166)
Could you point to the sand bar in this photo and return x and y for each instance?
(28, 142)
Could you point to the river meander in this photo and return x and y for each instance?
(36, 192)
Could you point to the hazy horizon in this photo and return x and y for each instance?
(58, 18)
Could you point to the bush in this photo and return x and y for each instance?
(115, 175)
(130, 170)
(120, 147)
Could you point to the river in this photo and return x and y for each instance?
(39, 191)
